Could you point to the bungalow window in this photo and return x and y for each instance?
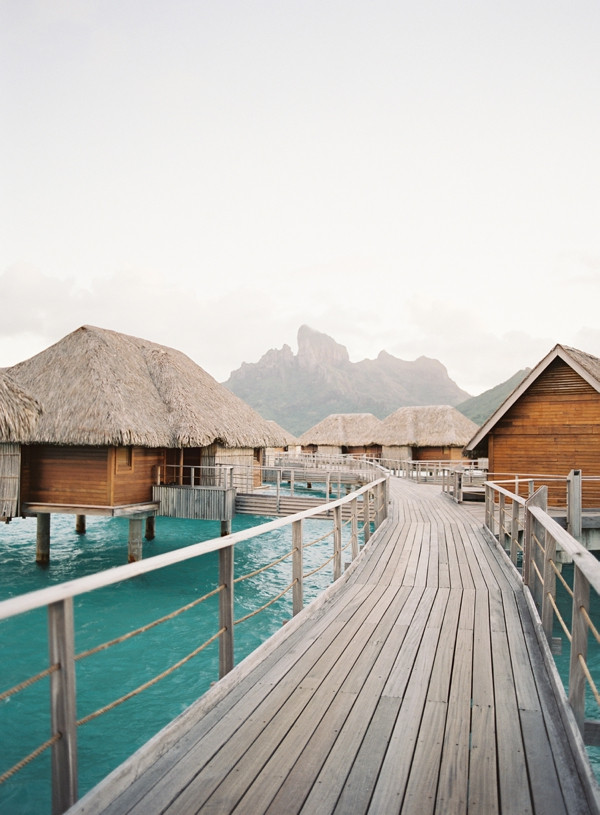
(124, 458)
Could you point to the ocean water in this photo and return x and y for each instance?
(105, 742)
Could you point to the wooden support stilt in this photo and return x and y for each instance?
(42, 551)
(225, 528)
(80, 524)
(150, 528)
(134, 551)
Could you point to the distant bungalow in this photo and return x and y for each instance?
(355, 434)
(550, 424)
(426, 433)
(98, 413)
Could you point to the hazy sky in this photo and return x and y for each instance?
(421, 177)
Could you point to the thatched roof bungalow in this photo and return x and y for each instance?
(355, 434)
(114, 408)
(549, 424)
(426, 433)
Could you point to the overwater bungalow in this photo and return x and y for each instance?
(355, 434)
(426, 433)
(116, 413)
(549, 425)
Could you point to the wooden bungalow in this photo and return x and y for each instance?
(426, 433)
(549, 425)
(355, 434)
(119, 413)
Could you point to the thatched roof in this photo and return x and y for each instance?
(427, 426)
(344, 429)
(19, 412)
(99, 387)
(287, 438)
(586, 365)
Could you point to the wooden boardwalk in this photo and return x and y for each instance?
(415, 685)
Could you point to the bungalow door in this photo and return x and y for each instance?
(10, 478)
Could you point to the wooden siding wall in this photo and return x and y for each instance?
(553, 428)
(65, 475)
(134, 485)
(437, 453)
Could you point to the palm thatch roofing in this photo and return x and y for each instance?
(427, 426)
(344, 430)
(19, 412)
(586, 365)
(100, 387)
(287, 438)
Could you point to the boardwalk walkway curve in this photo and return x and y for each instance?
(416, 684)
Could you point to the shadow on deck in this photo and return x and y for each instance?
(417, 683)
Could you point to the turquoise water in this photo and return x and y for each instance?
(107, 613)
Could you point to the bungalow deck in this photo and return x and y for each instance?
(417, 683)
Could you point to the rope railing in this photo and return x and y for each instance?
(150, 682)
(542, 539)
(28, 759)
(28, 682)
(270, 565)
(143, 628)
(59, 601)
(265, 605)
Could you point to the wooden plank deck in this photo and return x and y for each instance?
(415, 685)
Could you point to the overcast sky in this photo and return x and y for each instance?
(420, 177)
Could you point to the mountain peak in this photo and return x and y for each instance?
(299, 391)
(316, 350)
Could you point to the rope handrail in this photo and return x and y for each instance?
(559, 616)
(318, 569)
(558, 573)
(266, 605)
(150, 682)
(96, 649)
(318, 540)
(28, 682)
(588, 676)
(28, 759)
(264, 568)
(590, 624)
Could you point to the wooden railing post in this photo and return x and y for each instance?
(226, 610)
(514, 531)
(337, 542)
(502, 521)
(278, 488)
(549, 589)
(579, 646)
(574, 504)
(366, 515)
(297, 568)
(61, 642)
(354, 530)
(538, 499)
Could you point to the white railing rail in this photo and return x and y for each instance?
(367, 502)
(533, 539)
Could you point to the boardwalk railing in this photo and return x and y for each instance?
(533, 541)
(365, 502)
(248, 478)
